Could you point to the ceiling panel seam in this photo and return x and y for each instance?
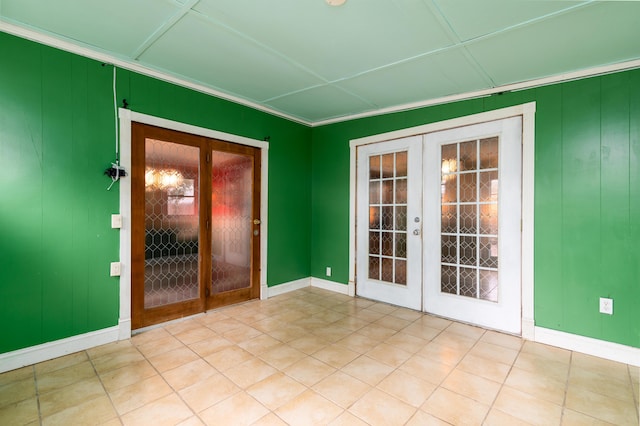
(161, 30)
(453, 35)
(458, 44)
(260, 45)
(393, 64)
(317, 86)
(529, 22)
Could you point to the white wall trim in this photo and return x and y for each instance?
(353, 161)
(126, 118)
(330, 285)
(467, 120)
(124, 322)
(587, 345)
(527, 111)
(515, 87)
(74, 47)
(46, 351)
(283, 288)
(128, 64)
(528, 204)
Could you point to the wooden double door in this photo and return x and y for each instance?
(195, 224)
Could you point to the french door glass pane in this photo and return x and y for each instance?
(171, 223)
(388, 217)
(231, 219)
(469, 219)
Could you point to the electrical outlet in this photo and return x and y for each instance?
(116, 221)
(606, 306)
(115, 269)
(328, 272)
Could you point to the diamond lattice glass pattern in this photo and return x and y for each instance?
(469, 219)
(171, 223)
(232, 219)
(388, 217)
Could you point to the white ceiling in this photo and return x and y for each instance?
(315, 63)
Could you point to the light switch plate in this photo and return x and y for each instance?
(115, 269)
(116, 221)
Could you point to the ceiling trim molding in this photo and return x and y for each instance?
(68, 46)
(514, 87)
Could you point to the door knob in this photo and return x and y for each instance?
(256, 221)
(416, 232)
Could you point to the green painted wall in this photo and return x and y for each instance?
(56, 139)
(587, 199)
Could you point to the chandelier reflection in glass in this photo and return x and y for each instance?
(162, 179)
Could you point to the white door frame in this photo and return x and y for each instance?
(527, 111)
(126, 117)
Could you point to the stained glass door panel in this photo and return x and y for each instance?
(388, 217)
(171, 223)
(231, 218)
(469, 218)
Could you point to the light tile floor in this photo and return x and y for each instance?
(312, 357)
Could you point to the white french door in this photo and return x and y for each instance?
(472, 252)
(389, 205)
(463, 261)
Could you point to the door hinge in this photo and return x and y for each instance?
(207, 223)
(207, 292)
(208, 157)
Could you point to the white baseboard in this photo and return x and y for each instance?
(588, 345)
(528, 328)
(352, 289)
(329, 285)
(290, 286)
(50, 350)
(46, 351)
(308, 282)
(124, 326)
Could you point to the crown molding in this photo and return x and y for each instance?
(128, 64)
(131, 65)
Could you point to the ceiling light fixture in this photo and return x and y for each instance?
(336, 2)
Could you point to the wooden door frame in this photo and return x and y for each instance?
(126, 117)
(527, 111)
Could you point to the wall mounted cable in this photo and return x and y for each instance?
(115, 172)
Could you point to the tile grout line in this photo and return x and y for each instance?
(35, 384)
(103, 387)
(566, 387)
(635, 393)
(176, 392)
(416, 354)
(503, 384)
